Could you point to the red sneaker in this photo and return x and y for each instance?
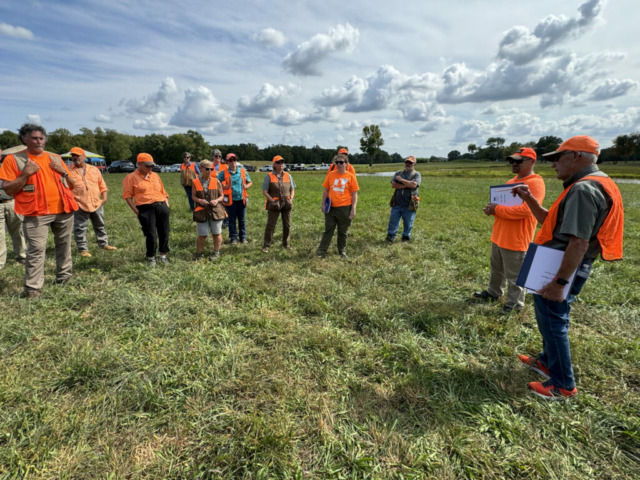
(535, 365)
(549, 392)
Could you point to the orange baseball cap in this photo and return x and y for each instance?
(276, 158)
(231, 155)
(343, 150)
(580, 143)
(411, 158)
(77, 151)
(523, 153)
(145, 158)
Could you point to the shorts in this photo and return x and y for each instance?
(213, 226)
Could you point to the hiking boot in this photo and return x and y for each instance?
(484, 295)
(389, 239)
(535, 365)
(265, 249)
(199, 256)
(549, 392)
(214, 256)
(405, 239)
(343, 254)
(244, 240)
(163, 259)
(21, 261)
(109, 247)
(151, 261)
(233, 242)
(85, 254)
(61, 281)
(30, 294)
(320, 255)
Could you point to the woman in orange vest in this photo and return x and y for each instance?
(585, 221)
(209, 211)
(278, 189)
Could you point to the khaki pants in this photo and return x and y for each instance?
(13, 223)
(81, 223)
(272, 221)
(37, 230)
(505, 267)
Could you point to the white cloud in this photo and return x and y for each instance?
(15, 32)
(352, 126)
(386, 123)
(352, 92)
(152, 103)
(425, 111)
(306, 59)
(270, 37)
(102, 118)
(293, 137)
(264, 103)
(157, 121)
(495, 109)
(33, 118)
(522, 46)
(291, 116)
(200, 108)
(612, 88)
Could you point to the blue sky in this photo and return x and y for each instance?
(435, 75)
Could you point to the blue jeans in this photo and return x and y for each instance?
(553, 323)
(407, 216)
(237, 210)
(191, 204)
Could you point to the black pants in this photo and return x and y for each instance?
(153, 218)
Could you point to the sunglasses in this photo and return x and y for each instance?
(279, 162)
(217, 156)
(209, 169)
(340, 162)
(517, 162)
(408, 163)
(186, 158)
(231, 159)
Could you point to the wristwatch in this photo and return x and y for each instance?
(65, 175)
(560, 281)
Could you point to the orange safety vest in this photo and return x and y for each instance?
(218, 212)
(228, 193)
(274, 179)
(611, 232)
(30, 200)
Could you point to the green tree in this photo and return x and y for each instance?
(547, 144)
(453, 155)
(60, 141)
(472, 148)
(371, 141)
(625, 146)
(9, 139)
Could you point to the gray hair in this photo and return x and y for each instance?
(589, 156)
(216, 152)
(28, 128)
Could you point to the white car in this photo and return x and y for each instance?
(175, 168)
(311, 168)
(267, 168)
(324, 166)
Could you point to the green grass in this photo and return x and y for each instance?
(286, 366)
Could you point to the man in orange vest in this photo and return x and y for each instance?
(278, 189)
(40, 184)
(235, 182)
(585, 221)
(513, 230)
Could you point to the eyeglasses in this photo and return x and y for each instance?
(408, 163)
(340, 162)
(217, 156)
(279, 162)
(209, 169)
(517, 162)
(186, 158)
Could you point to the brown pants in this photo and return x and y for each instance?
(37, 230)
(13, 223)
(505, 267)
(272, 221)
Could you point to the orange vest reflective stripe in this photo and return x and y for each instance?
(30, 200)
(228, 193)
(611, 232)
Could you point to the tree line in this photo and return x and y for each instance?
(625, 147)
(168, 149)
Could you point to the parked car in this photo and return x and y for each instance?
(324, 166)
(266, 168)
(250, 168)
(298, 167)
(311, 168)
(157, 168)
(121, 166)
(175, 168)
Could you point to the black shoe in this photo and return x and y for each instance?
(484, 295)
(214, 256)
(507, 310)
(389, 239)
(21, 261)
(405, 239)
(61, 281)
(199, 256)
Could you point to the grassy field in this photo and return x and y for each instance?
(287, 366)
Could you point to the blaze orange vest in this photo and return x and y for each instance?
(274, 187)
(611, 232)
(31, 200)
(228, 193)
(201, 214)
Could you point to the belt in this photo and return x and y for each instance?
(6, 201)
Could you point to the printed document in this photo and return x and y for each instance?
(540, 267)
(501, 194)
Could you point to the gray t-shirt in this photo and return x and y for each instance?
(582, 212)
(267, 181)
(403, 196)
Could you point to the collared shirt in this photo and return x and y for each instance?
(144, 190)
(89, 186)
(403, 195)
(582, 212)
(236, 183)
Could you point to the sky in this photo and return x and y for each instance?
(434, 75)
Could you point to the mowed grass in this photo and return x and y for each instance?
(287, 366)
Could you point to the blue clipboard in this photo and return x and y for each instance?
(327, 205)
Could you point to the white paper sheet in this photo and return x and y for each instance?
(544, 268)
(501, 194)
